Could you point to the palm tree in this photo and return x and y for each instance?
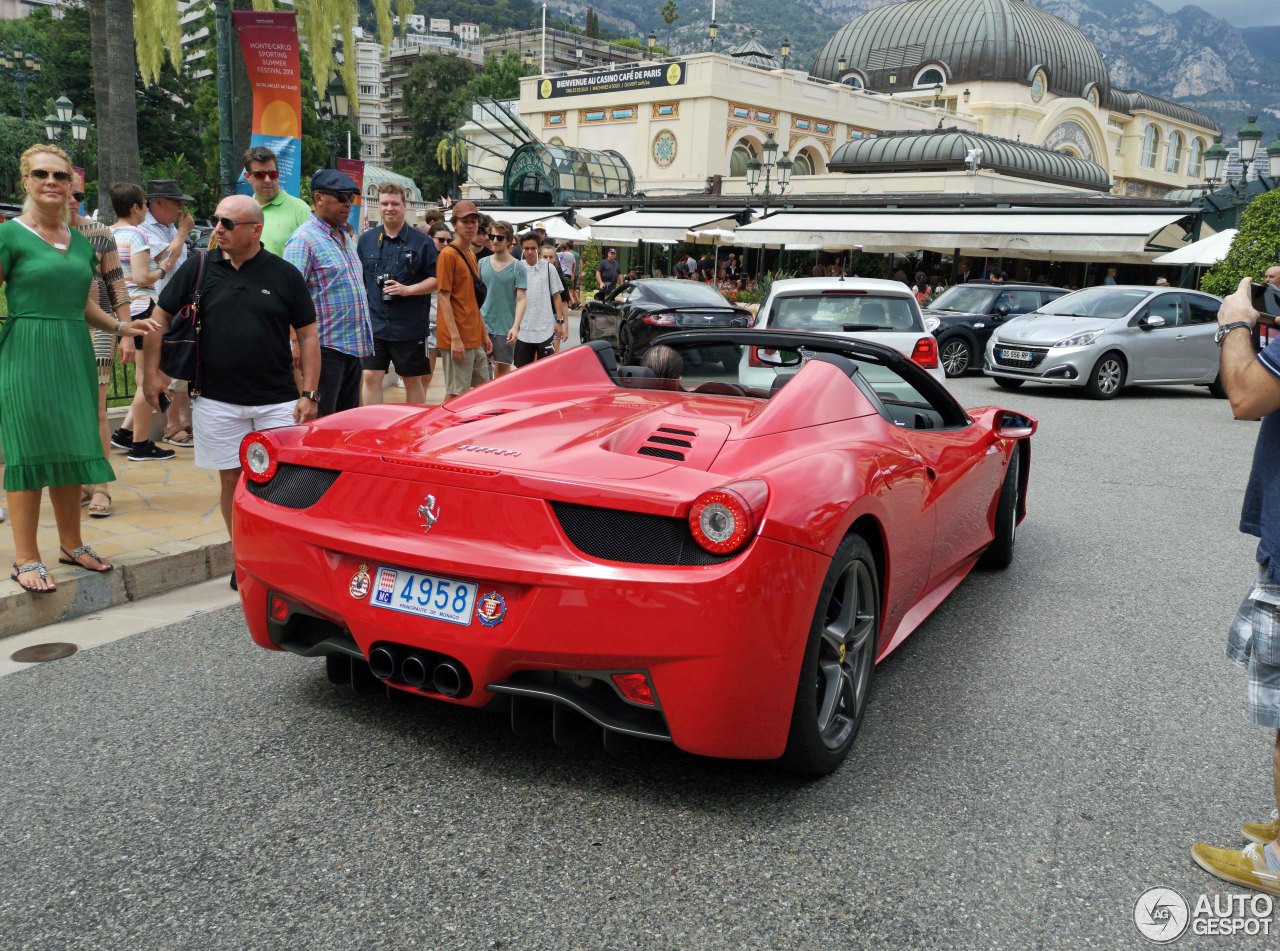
(669, 16)
(111, 40)
(451, 153)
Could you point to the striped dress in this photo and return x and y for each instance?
(109, 281)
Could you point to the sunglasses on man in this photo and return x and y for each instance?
(345, 197)
(263, 175)
(229, 224)
(40, 174)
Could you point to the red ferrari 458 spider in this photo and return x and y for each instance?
(654, 551)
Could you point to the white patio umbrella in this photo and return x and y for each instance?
(1203, 253)
(716, 237)
(560, 230)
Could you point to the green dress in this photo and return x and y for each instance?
(48, 381)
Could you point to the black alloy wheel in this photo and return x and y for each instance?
(584, 328)
(839, 658)
(1000, 552)
(956, 356)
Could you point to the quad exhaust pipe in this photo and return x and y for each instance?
(420, 671)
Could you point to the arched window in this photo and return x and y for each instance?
(803, 164)
(1150, 146)
(853, 80)
(1195, 160)
(930, 77)
(742, 153)
(1174, 162)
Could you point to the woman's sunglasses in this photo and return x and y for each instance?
(40, 174)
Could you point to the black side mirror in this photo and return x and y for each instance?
(1001, 311)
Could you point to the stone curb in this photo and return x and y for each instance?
(136, 576)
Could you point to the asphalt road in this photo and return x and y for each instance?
(1045, 748)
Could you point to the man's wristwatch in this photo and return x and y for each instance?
(1225, 329)
(313, 395)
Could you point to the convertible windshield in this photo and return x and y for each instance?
(1107, 302)
(964, 300)
(837, 312)
(687, 292)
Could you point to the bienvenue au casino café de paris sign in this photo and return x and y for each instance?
(654, 76)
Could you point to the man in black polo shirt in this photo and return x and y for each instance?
(399, 275)
(250, 300)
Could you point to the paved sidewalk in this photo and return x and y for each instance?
(165, 532)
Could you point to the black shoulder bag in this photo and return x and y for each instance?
(180, 347)
(481, 290)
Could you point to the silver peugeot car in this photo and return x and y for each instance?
(1107, 338)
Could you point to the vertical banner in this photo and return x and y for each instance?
(269, 45)
(354, 170)
(80, 172)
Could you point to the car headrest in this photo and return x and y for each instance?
(604, 353)
(779, 381)
(845, 365)
(636, 373)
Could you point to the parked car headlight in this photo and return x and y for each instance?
(931, 324)
(1080, 340)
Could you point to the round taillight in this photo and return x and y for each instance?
(258, 454)
(724, 519)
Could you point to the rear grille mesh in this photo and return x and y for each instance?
(633, 537)
(294, 487)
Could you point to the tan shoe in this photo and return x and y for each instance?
(1247, 866)
(1263, 832)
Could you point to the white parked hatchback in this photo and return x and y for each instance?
(860, 308)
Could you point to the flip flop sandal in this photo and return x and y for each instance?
(37, 566)
(180, 438)
(86, 495)
(72, 556)
(98, 509)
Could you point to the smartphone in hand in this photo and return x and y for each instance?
(1266, 300)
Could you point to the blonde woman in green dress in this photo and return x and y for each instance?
(48, 380)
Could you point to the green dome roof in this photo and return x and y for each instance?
(971, 39)
(945, 150)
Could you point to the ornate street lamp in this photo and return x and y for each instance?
(1248, 138)
(967, 94)
(1273, 158)
(22, 66)
(712, 30)
(841, 65)
(577, 53)
(1215, 159)
(653, 41)
(64, 122)
(771, 164)
(786, 51)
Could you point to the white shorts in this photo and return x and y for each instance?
(219, 428)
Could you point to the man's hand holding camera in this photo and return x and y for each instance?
(1252, 386)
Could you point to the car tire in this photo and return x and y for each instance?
(839, 659)
(1007, 383)
(584, 329)
(1216, 389)
(1000, 553)
(1106, 379)
(956, 356)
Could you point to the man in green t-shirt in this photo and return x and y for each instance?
(282, 213)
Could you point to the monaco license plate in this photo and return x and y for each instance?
(1022, 356)
(413, 592)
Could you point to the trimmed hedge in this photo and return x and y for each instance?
(1256, 247)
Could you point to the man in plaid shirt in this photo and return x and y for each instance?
(324, 250)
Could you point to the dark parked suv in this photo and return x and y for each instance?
(963, 317)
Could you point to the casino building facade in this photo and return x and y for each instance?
(923, 97)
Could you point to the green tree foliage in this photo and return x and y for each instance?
(64, 60)
(1255, 248)
(592, 252)
(499, 78)
(593, 24)
(15, 135)
(432, 93)
(670, 13)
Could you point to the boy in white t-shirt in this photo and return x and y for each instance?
(536, 323)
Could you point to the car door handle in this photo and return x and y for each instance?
(1182, 337)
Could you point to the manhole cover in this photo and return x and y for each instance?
(43, 653)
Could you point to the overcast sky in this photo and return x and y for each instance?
(1236, 12)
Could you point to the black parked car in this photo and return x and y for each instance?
(964, 317)
(638, 311)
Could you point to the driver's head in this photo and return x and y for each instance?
(665, 362)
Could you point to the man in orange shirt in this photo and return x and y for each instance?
(462, 340)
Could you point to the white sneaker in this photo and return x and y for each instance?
(4, 513)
